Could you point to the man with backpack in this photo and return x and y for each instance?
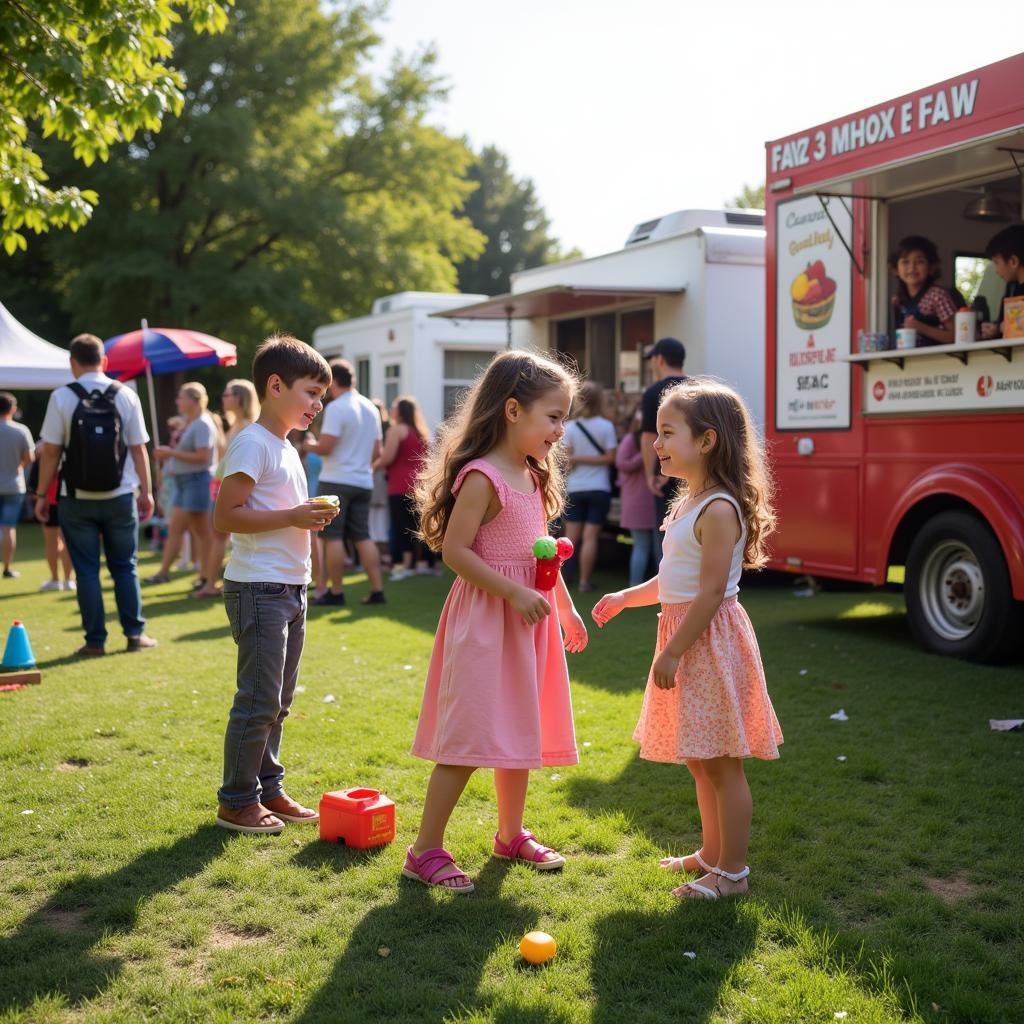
(96, 424)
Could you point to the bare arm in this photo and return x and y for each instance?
(475, 499)
(48, 459)
(384, 456)
(943, 334)
(200, 457)
(323, 445)
(650, 459)
(140, 459)
(231, 516)
(718, 530)
(596, 460)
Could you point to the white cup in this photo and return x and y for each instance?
(906, 337)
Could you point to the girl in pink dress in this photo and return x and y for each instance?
(497, 692)
(706, 704)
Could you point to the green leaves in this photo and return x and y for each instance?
(90, 77)
(284, 188)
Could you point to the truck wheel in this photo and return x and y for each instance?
(957, 589)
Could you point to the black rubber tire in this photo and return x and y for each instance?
(997, 632)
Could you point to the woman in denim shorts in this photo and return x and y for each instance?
(590, 441)
(189, 464)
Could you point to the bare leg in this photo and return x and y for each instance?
(216, 544)
(51, 546)
(735, 811)
(510, 785)
(199, 526)
(369, 558)
(335, 558)
(175, 532)
(319, 570)
(447, 781)
(588, 554)
(9, 545)
(65, 558)
(707, 803)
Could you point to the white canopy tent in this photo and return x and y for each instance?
(27, 362)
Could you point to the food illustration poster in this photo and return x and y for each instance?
(812, 330)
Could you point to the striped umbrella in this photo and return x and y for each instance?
(159, 350)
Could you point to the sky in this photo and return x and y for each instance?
(624, 111)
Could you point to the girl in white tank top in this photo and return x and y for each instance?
(706, 704)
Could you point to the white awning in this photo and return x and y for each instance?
(27, 362)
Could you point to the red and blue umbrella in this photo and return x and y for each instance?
(156, 350)
(165, 350)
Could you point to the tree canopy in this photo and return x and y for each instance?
(289, 189)
(508, 212)
(90, 73)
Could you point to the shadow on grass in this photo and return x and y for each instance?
(641, 974)
(336, 857)
(437, 957)
(51, 951)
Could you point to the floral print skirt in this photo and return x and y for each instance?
(719, 706)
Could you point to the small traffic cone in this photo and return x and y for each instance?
(18, 653)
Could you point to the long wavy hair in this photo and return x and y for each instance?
(737, 461)
(478, 426)
(409, 413)
(248, 411)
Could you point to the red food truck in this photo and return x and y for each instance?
(900, 464)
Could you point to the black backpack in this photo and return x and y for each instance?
(94, 459)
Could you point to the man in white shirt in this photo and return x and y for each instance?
(110, 515)
(350, 442)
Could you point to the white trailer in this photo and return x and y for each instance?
(401, 349)
(695, 275)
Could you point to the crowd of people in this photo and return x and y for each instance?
(296, 502)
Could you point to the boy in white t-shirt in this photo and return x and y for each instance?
(263, 503)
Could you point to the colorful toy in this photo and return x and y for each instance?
(550, 555)
(359, 817)
(18, 653)
(538, 947)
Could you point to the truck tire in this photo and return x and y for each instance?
(957, 590)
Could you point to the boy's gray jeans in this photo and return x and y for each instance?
(268, 623)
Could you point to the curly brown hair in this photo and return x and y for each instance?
(478, 427)
(737, 461)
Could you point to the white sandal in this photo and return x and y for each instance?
(716, 893)
(676, 863)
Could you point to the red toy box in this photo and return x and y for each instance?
(359, 817)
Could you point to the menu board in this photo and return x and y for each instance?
(941, 384)
(813, 284)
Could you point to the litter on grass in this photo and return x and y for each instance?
(841, 759)
(28, 812)
(330, 699)
(1005, 724)
(690, 955)
(840, 716)
(803, 671)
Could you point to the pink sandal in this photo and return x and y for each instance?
(535, 860)
(429, 868)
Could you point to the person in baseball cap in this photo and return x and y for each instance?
(671, 350)
(667, 356)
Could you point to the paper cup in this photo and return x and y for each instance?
(906, 337)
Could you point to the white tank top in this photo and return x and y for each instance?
(679, 572)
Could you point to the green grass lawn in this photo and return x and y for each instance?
(886, 887)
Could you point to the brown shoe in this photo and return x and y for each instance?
(85, 651)
(140, 643)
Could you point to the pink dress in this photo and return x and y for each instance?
(497, 692)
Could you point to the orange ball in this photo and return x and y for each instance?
(538, 947)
